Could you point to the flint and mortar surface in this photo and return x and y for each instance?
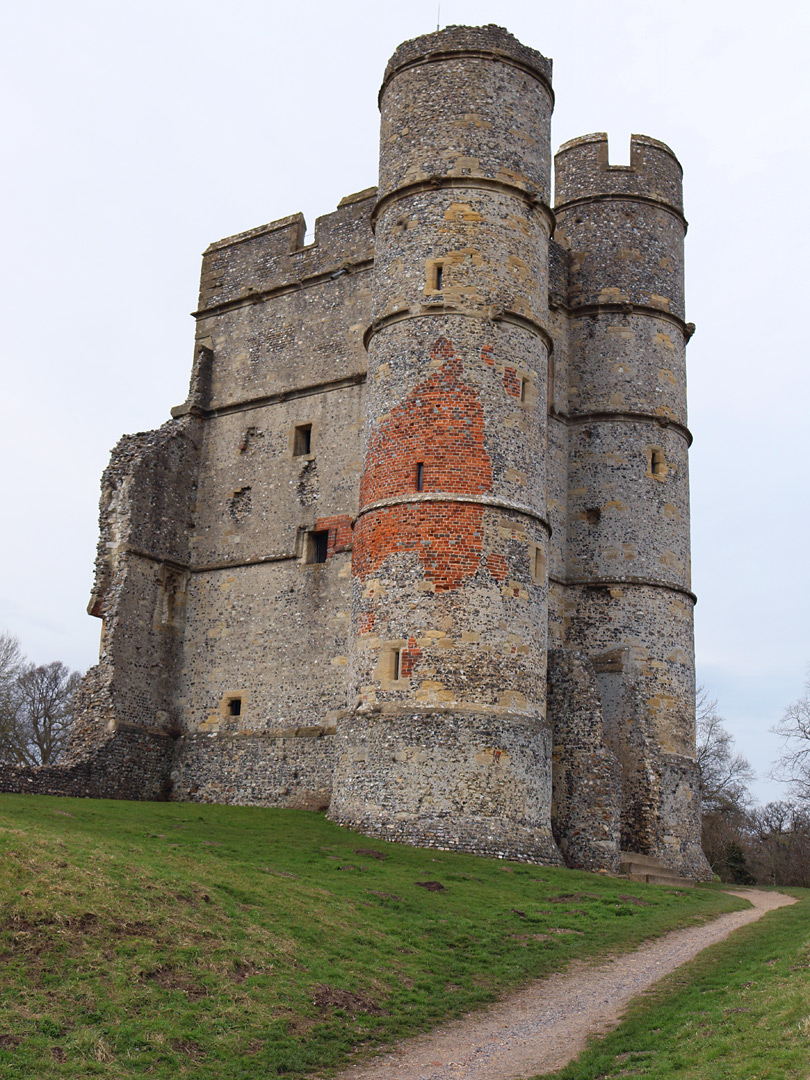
(472, 408)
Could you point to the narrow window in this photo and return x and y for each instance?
(235, 706)
(302, 441)
(395, 663)
(319, 546)
(539, 567)
(420, 475)
(434, 275)
(550, 388)
(523, 384)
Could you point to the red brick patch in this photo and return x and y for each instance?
(497, 566)
(511, 381)
(440, 424)
(408, 658)
(447, 538)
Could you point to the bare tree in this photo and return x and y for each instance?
(11, 658)
(793, 767)
(778, 847)
(11, 663)
(36, 706)
(724, 774)
(724, 793)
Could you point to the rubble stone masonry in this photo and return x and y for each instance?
(415, 550)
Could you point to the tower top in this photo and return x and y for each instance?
(582, 169)
(487, 42)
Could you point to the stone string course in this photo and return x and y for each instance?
(493, 651)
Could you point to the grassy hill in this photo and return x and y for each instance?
(169, 940)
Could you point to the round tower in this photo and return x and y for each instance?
(446, 741)
(628, 562)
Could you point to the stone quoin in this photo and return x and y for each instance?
(415, 550)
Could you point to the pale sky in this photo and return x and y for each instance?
(136, 134)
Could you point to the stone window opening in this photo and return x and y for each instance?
(302, 440)
(317, 548)
(550, 387)
(389, 665)
(657, 463)
(420, 476)
(524, 385)
(231, 705)
(435, 275)
(538, 565)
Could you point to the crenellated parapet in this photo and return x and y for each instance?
(623, 226)
(583, 171)
(247, 267)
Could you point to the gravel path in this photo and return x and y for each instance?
(546, 1025)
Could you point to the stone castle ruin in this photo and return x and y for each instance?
(416, 547)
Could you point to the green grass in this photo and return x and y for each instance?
(740, 1011)
(170, 940)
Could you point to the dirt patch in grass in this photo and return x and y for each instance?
(190, 1048)
(328, 998)
(170, 978)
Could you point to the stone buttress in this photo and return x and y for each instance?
(446, 742)
(628, 600)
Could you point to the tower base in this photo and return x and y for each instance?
(447, 780)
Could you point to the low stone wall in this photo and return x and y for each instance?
(247, 770)
(127, 764)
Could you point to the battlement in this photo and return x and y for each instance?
(274, 256)
(489, 42)
(582, 170)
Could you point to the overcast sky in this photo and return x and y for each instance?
(134, 134)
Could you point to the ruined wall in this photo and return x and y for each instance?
(121, 745)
